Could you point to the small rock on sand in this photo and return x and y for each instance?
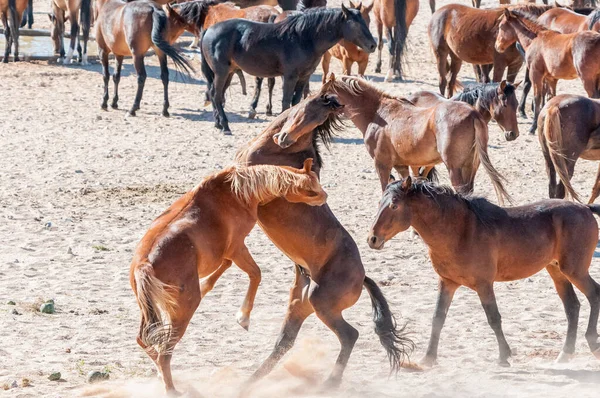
(95, 376)
(54, 376)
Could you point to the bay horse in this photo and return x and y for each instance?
(466, 34)
(399, 134)
(551, 55)
(11, 13)
(396, 16)
(132, 29)
(76, 11)
(291, 48)
(487, 245)
(568, 129)
(496, 101)
(198, 233)
(347, 52)
(329, 273)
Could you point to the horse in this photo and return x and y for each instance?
(204, 14)
(11, 13)
(496, 101)
(348, 52)
(396, 16)
(399, 134)
(329, 274)
(194, 237)
(551, 55)
(487, 245)
(132, 29)
(75, 11)
(28, 16)
(568, 129)
(291, 48)
(468, 34)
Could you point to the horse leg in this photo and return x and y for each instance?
(13, 24)
(246, 263)
(325, 66)
(596, 189)
(538, 93)
(591, 87)
(441, 56)
(488, 301)
(299, 90)
(29, 14)
(7, 37)
(446, 291)
(271, 85)
(379, 45)
(526, 88)
(565, 291)
(289, 86)
(362, 67)
(299, 308)
(432, 5)
(116, 80)
(242, 78)
(208, 283)
(383, 171)
(74, 21)
(347, 66)
(254, 103)
(106, 76)
(455, 64)
(164, 76)
(140, 68)
(391, 48)
(217, 96)
(457, 180)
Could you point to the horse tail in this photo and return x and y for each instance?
(157, 302)
(400, 34)
(595, 209)
(553, 136)
(481, 156)
(85, 18)
(159, 28)
(393, 339)
(13, 18)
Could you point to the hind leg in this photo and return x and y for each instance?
(446, 290)
(455, 64)
(596, 189)
(325, 66)
(140, 68)
(74, 21)
(442, 65)
(379, 45)
(391, 49)
(526, 88)
(7, 39)
(254, 103)
(14, 23)
(164, 76)
(565, 291)
(208, 283)
(105, 75)
(218, 96)
(116, 80)
(560, 187)
(299, 308)
(289, 89)
(242, 78)
(271, 85)
(460, 184)
(488, 301)
(246, 263)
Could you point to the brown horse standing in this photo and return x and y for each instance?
(568, 129)
(79, 14)
(551, 55)
(400, 135)
(203, 230)
(132, 29)
(329, 271)
(564, 20)
(487, 244)
(348, 52)
(396, 16)
(11, 13)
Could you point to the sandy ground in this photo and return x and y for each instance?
(80, 186)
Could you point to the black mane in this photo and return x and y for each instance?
(194, 12)
(593, 18)
(306, 4)
(312, 22)
(485, 93)
(324, 133)
(485, 211)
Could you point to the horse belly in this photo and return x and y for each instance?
(465, 50)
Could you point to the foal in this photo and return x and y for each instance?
(202, 230)
(487, 245)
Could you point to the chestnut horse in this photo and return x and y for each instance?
(11, 13)
(132, 29)
(466, 34)
(396, 16)
(568, 129)
(76, 11)
(496, 101)
(487, 245)
(197, 234)
(348, 52)
(399, 134)
(551, 55)
(329, 271)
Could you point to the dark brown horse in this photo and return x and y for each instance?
(487, 245)
(329, 271)
(11, 13)
(568, 129)
(132, 29)
(466, 34)
(291, 48)
(399, 134)
(551, 55)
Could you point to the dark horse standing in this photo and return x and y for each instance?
(291, 48)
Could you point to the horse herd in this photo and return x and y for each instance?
(275, 178)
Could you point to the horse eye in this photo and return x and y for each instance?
(393, 206)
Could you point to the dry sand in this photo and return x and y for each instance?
(79, 187)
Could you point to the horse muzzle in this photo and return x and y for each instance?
(511, 135)
(282, 139)
(375, 242)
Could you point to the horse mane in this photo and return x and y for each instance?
(486, 212)
(195, 12)
(303, 5)
(310, 23)
(262, 182)
(582, 10)
(532, 10)
(358, 86)
(485, 93)
(593, 18)
(528, 20)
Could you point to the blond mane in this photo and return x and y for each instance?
(263, 182)
(358, 86)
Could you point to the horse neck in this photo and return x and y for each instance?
(325, 37)
(484, 111)
(360, 108)
(524, 34)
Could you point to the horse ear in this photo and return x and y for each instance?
(368, 7)
(359, 6)
(345, 10)
(502, 87)
(407, 183)
(168, 9)
(391, 179)
(325, 87)
(507, 13)
(308, 165)
(352, 4)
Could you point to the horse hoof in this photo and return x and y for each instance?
(206, 103)
(173, 393)
(427, 362)
(131, 113)
(227, 132)
(243, 320)
(165, 113)
(5, 60)
(563, 357)
(104, 107)
(269, 112)
(17, 59)
(504, 363)
(252, 114)
(523, 115)
(331, 383)
(114, 105)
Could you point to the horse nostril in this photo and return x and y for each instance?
(373, 240)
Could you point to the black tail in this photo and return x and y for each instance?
(159, 28)
(392, 338)
(85, 18)
(595, 209)
(400, 34)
